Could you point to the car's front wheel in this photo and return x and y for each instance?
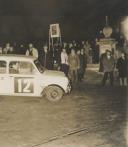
(54, 93)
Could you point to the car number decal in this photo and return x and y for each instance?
(23, 85)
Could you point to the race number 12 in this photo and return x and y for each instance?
(23, 85)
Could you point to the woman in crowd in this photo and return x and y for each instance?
(122, 66)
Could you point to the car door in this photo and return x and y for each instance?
(24, 78)
(6, 82)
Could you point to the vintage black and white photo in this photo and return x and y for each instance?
(63, 73)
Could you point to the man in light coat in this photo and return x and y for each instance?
(74, 65)
(64, 62)
(32, 51)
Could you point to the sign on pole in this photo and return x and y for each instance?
(54, 30)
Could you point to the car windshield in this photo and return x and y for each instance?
(39, 66)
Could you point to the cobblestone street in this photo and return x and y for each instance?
(91, 116)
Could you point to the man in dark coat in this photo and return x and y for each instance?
(122, 66)
(101, 63)
(108, 64)
(46, 58)
(83, 64)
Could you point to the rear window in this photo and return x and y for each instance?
(3, 66)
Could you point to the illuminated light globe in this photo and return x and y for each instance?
(107, 31)
(124, 27)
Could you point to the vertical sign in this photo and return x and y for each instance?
(54, 30)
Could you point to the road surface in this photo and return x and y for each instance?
(91, 116)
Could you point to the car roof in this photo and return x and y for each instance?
(12, 57)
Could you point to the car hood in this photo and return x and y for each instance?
(53, 73)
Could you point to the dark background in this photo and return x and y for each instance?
(28, 20)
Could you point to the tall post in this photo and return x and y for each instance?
(106, 20)
(49, 40)
(60, 39)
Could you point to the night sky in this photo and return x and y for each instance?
(29, 20)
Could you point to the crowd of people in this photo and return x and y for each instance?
(72, 59)
(74, 64)
(108, 64)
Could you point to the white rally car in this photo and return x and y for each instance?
(24, 76)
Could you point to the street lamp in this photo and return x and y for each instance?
(124, 27)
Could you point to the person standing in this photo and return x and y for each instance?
(79, 70)
(122, 66)
(83, 64)
(64, 62)
(75, 47)
(11, 50)
(21, 50)
(73, 66)
(1, 50)
(108, 63)
(87, 50)
(46, 58)
(32, 51)
(56, 55)
(6, 49)
(101, 61)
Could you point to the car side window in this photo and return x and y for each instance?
(21, 68)
(3, 66)
(26, 68)
(14, 67)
